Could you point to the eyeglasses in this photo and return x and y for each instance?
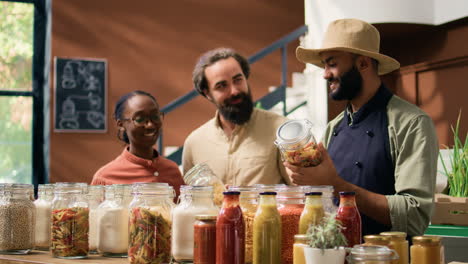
(140, 121)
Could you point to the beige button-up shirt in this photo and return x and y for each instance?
(247, 157)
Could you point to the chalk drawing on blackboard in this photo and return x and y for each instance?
(80, 95)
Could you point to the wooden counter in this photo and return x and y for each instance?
(44, 257)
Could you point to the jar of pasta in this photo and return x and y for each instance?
(150, 224)
(202, 175)
(70, 221)
(297, 144)
(17, 218)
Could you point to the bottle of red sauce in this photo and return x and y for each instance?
(204, 249)
(349, 216)
(230, 231)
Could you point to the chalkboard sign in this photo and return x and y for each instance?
(80, 95)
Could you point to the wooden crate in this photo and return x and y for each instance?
(450, 210)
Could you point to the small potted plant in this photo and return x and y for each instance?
(326, 242)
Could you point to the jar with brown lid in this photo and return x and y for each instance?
(362, 254)
(399, 243)
(426, 250)
(300, 241)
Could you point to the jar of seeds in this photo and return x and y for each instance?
(17, 218)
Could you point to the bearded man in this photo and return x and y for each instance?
(237, 144)
(380, 147)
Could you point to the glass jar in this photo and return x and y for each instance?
(377, 240)
(112, 221)
(95, 197)
(426, 250)
(248, 201)
(230, 231)
(350, 218)
(45, 195)
(362, 254)
(297, 144)
(204, 249)
(194, 200)
(313, 212)
(399, 243)
(267, 231)
(300, 241)
(328, 197)
(70, 221)
(150, 224)
(202, 175)
(290, 206)
(17, 218)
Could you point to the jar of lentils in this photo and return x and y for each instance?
(17, 218)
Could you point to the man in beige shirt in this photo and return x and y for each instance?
(237, 144)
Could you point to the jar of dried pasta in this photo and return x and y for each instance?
(150, 224)
(70, 221)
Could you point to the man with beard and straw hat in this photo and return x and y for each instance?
(237, 144)
(381, 147)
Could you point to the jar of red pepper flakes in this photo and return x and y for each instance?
(297, 144)
(290, 206)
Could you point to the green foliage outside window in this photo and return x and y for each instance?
(16, 42)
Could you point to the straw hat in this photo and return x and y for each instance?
(351, 35)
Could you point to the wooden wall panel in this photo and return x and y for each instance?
(153, 46)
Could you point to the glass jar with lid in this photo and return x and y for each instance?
(426, 250)
(70, 221)
(300, 241)
(297, 144)
(290, 206)
(95, 197)
(150, 224)
(204, 248)
(248, 201)
(202, 175)
(328, 197)
(17, 218)
(194, 200)
(45, 195)
(399, 243)
(112, 239)
(362, 254)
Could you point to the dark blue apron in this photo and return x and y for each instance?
(360, 151)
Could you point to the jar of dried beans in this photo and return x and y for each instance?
(70, 221)
(248, 202)
(290, 207)
(150, 224)
(17, 218)
(297, 144)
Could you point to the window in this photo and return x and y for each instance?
(22, 38)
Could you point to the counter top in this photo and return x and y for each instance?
(44, 257)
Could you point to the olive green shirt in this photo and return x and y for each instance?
(414, 150)
(249, 156)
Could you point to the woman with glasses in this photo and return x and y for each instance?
(139, 122)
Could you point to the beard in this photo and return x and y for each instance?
(350, 85)
(237, 113)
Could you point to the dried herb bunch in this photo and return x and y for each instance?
(458, 177)
(327, 234)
